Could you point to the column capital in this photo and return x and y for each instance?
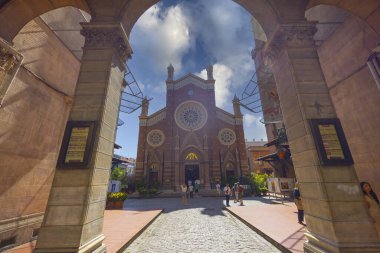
(9, 58)
(291, 35)
(107, 35)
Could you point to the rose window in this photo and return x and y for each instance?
(155, 138)
(191, 115)
(227, 136)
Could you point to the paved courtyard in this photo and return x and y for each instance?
(203, 226)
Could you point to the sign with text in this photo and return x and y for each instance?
(76, 145)
(330, 141)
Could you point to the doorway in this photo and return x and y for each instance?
(191, 172)
(153, 179)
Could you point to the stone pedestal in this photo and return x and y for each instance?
(73, 219)
(336, 214)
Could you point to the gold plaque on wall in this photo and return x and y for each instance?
(76, 145)
(330, 141)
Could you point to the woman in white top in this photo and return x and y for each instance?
(218, 188)
(373, 204)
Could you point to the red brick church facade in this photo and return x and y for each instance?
(190, 138)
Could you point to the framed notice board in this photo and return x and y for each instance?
(76, 145)
(330, 142)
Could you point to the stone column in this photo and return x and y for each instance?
(336, 214)
(73, 219)
(206, 164)
(176, 163)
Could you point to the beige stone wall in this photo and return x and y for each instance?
(32, 120)
(354, 93)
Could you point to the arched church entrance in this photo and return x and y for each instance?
(192, 168)
(230, 170)
(153, 176)
(287, 48)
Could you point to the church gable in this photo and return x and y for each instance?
(156, 117)
(190, 79)
(226, 117)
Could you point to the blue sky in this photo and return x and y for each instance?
(191, 35)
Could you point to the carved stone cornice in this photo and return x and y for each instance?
(107, 35)
(9, 58)
(290, 35)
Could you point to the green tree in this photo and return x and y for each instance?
(117, 174)
(259, 182)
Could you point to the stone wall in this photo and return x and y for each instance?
(354, 93)
(32, 120)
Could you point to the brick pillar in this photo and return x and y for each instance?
(73, 219)
(336, 214)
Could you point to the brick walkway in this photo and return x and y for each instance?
(276, 221)
(119, 228)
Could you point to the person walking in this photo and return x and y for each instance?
(241, 193)
(236, 192)
(197, 187)
(227, 194)
(373, 204)
(183, 194)
(191, 190)
(218, 188)
(298, 202)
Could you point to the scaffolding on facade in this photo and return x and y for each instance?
(132, 96)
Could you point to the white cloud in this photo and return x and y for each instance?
(162, 36)
(223, 77)
(254, 129)
(160, 87)
(224, 31)
(249, 119)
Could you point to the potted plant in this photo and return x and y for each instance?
(115, 200)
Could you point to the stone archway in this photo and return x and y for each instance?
(29, 10)
(333, 214)
(35, 100)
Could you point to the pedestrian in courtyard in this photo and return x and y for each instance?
(235, 190)
(298, 202)
(191, 190)
(241, 193)
(197, 187)
(372, 203)
(218, 188)
(227, 194)
(183, 194)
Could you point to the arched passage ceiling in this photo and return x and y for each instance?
(265, 12)
(26, 10)
(367, 10)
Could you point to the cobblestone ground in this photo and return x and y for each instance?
(201, 227)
